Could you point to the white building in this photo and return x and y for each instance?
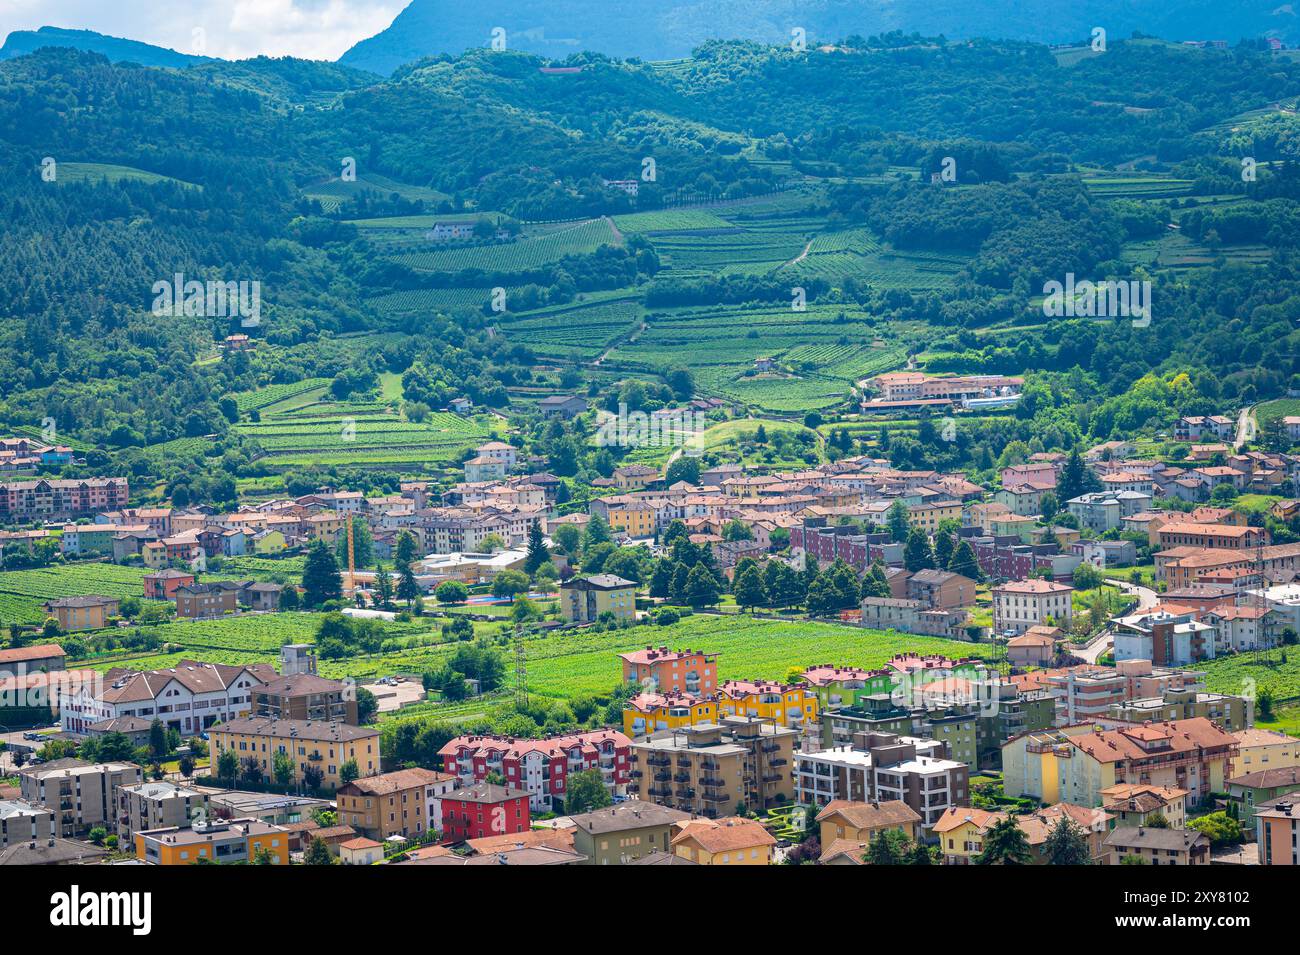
(1021, 604)
(188, 697)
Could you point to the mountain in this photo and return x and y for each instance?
(118, 50)
(672, 28)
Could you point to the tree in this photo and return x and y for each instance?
(899, 521)
(289, 599)
(510, 584)
(538, 555)
(748, 587)
(701, 588)
(383, 587)
(887, 847)
(406, 549)
(321, 580)
(186, 766)
(363, 545)
(1087, 577)
(451, 592)
(98, 834)
(282, 768)
(408, 588)
(943, 548)
(597, 532)
(228, 767)
(1219, 826)
(1075, 478)
(685, 468)
(157, 739)
(965, 563)
(1004, 844)
(317, 853)
(917, 555)
(1067, 844)
(586, 791)
(367, 706)
(349, 772)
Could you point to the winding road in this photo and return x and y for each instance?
(1147, 599)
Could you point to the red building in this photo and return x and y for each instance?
(484, 810)
(541, 767)
(163, 584)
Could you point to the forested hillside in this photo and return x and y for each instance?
(758, 171)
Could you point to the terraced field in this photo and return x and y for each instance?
(822, 351)
(582, 331)
(361, 436)
(526, 253)
(335, 192)
(23, 592)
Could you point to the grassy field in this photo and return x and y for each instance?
(560, 666)
(23, 593)
(72, 172)
(1277, 671)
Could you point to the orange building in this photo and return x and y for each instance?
(672, 671)
(241, 840)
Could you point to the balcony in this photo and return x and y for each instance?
(773, 777)
(779, 761)
(771, 747)
(712, 782)
(663, 776)
(682, 777)
(635, 774)
(716, 797)
(709, 764)
(658, 759)
(659, 792)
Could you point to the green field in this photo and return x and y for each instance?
(563, 665)
(1277, 671)
(24, 592)
(359, 434)
(73, 172)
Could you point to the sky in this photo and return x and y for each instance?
(230, 29)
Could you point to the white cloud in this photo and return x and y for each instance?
(232, 29)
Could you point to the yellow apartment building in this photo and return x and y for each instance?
(327, 746)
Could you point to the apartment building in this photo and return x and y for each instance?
(325, 746)
(1138, 804)
(305, 696)
(541, 767)
(667, 671)
(1230, 712)
(1157, 846)
(709, 768)
(1209, 536)
(1277, 832)
(653, 712)
(1076, 763)
(407, 803)
(240, 840)
(941, 589)
(1085, 693)
(86, 612)
(160, 805)
(1265, 749)
(882, 767)
(81, 795)
(1021, 604)
(62, 500)
(482, 810)
(623, 833)
(189, 697)
(584, 599)
(24, 822)
(792, 705)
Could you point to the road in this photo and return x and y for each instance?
(1147, 599)
(1246, 427)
